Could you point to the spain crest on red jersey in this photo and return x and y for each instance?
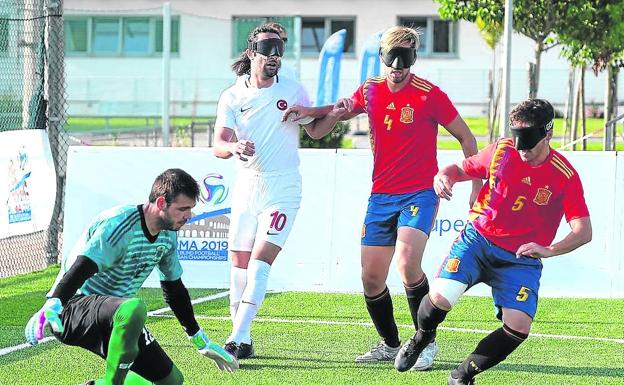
(407, 114)
(543, 196)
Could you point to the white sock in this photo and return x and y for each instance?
(257, 278)
(238, 281)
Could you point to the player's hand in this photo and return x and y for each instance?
(342, 106)
(49, 315)
(205, 347)
(243, 149)
(443, 186)
(533, 250)
(298, 114)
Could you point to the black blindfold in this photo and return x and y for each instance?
(268, 47)
(526, 138)
(399, 57)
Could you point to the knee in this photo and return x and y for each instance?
(439, 301)
(524, 329)
(410, 271)
(178, 378)
(174, 378)
(373, 283)
(138, 310)
(445, 293)
(517, 320)
(131, 312)
(519, 325)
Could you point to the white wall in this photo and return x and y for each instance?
(201, 70)
(322, 253)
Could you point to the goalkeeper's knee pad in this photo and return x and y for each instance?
(128, 321)
(131, 312)
(174, 378)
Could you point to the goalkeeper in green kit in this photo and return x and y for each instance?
(93, 302)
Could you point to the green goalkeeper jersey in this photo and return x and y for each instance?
(125, 253)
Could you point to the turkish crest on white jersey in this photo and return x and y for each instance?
(256, 114)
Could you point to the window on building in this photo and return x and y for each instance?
(118, 36)
(76, 35)
(175, 35)
(315, 30)
(106, 35)
(243, 25)
(312, 35)
(439, 37)
(136, 36)
(4, 35)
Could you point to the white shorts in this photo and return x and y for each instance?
(264, 207)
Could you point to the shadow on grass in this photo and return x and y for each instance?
(287, 362)
(544, 369)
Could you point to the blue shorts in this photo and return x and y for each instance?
(514, 281)
(387, 212)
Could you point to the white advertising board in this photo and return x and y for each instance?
(323, 250)
(28, 182)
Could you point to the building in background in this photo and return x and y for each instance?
(114, 48)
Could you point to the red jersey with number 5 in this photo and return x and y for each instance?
(403, 132)
(520, 203)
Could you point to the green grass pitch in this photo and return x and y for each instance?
(312, 338)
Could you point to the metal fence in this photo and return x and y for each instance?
(196, 133)
(32, 96)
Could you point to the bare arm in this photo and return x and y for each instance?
(226, 145)
(580, 234)
(325, 117)
(447, 176)
(459, 129)
(342, 110)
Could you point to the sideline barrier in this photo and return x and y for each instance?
(323, 250)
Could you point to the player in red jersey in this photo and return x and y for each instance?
(529, 188)
(404, 112)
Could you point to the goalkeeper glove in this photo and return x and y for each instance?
(205, 347)
(49, 315)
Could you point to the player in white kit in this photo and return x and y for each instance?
(267, 191)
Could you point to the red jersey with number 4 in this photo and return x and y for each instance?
(403, 132)
(520, 203)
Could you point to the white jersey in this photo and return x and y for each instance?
(256, 114)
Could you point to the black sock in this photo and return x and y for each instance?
(380, 309)
(429, 317)
(415, 294)
(490, 351)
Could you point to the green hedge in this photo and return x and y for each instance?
(333, 140)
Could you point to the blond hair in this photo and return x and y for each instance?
(395, 36)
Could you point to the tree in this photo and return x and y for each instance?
(594, 34)
(536, 19)
(491, 34)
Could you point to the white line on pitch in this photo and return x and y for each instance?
(15, 348)
(460, 330)
(194, 302)
(154, 313)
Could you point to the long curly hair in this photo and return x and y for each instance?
(242, 65)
